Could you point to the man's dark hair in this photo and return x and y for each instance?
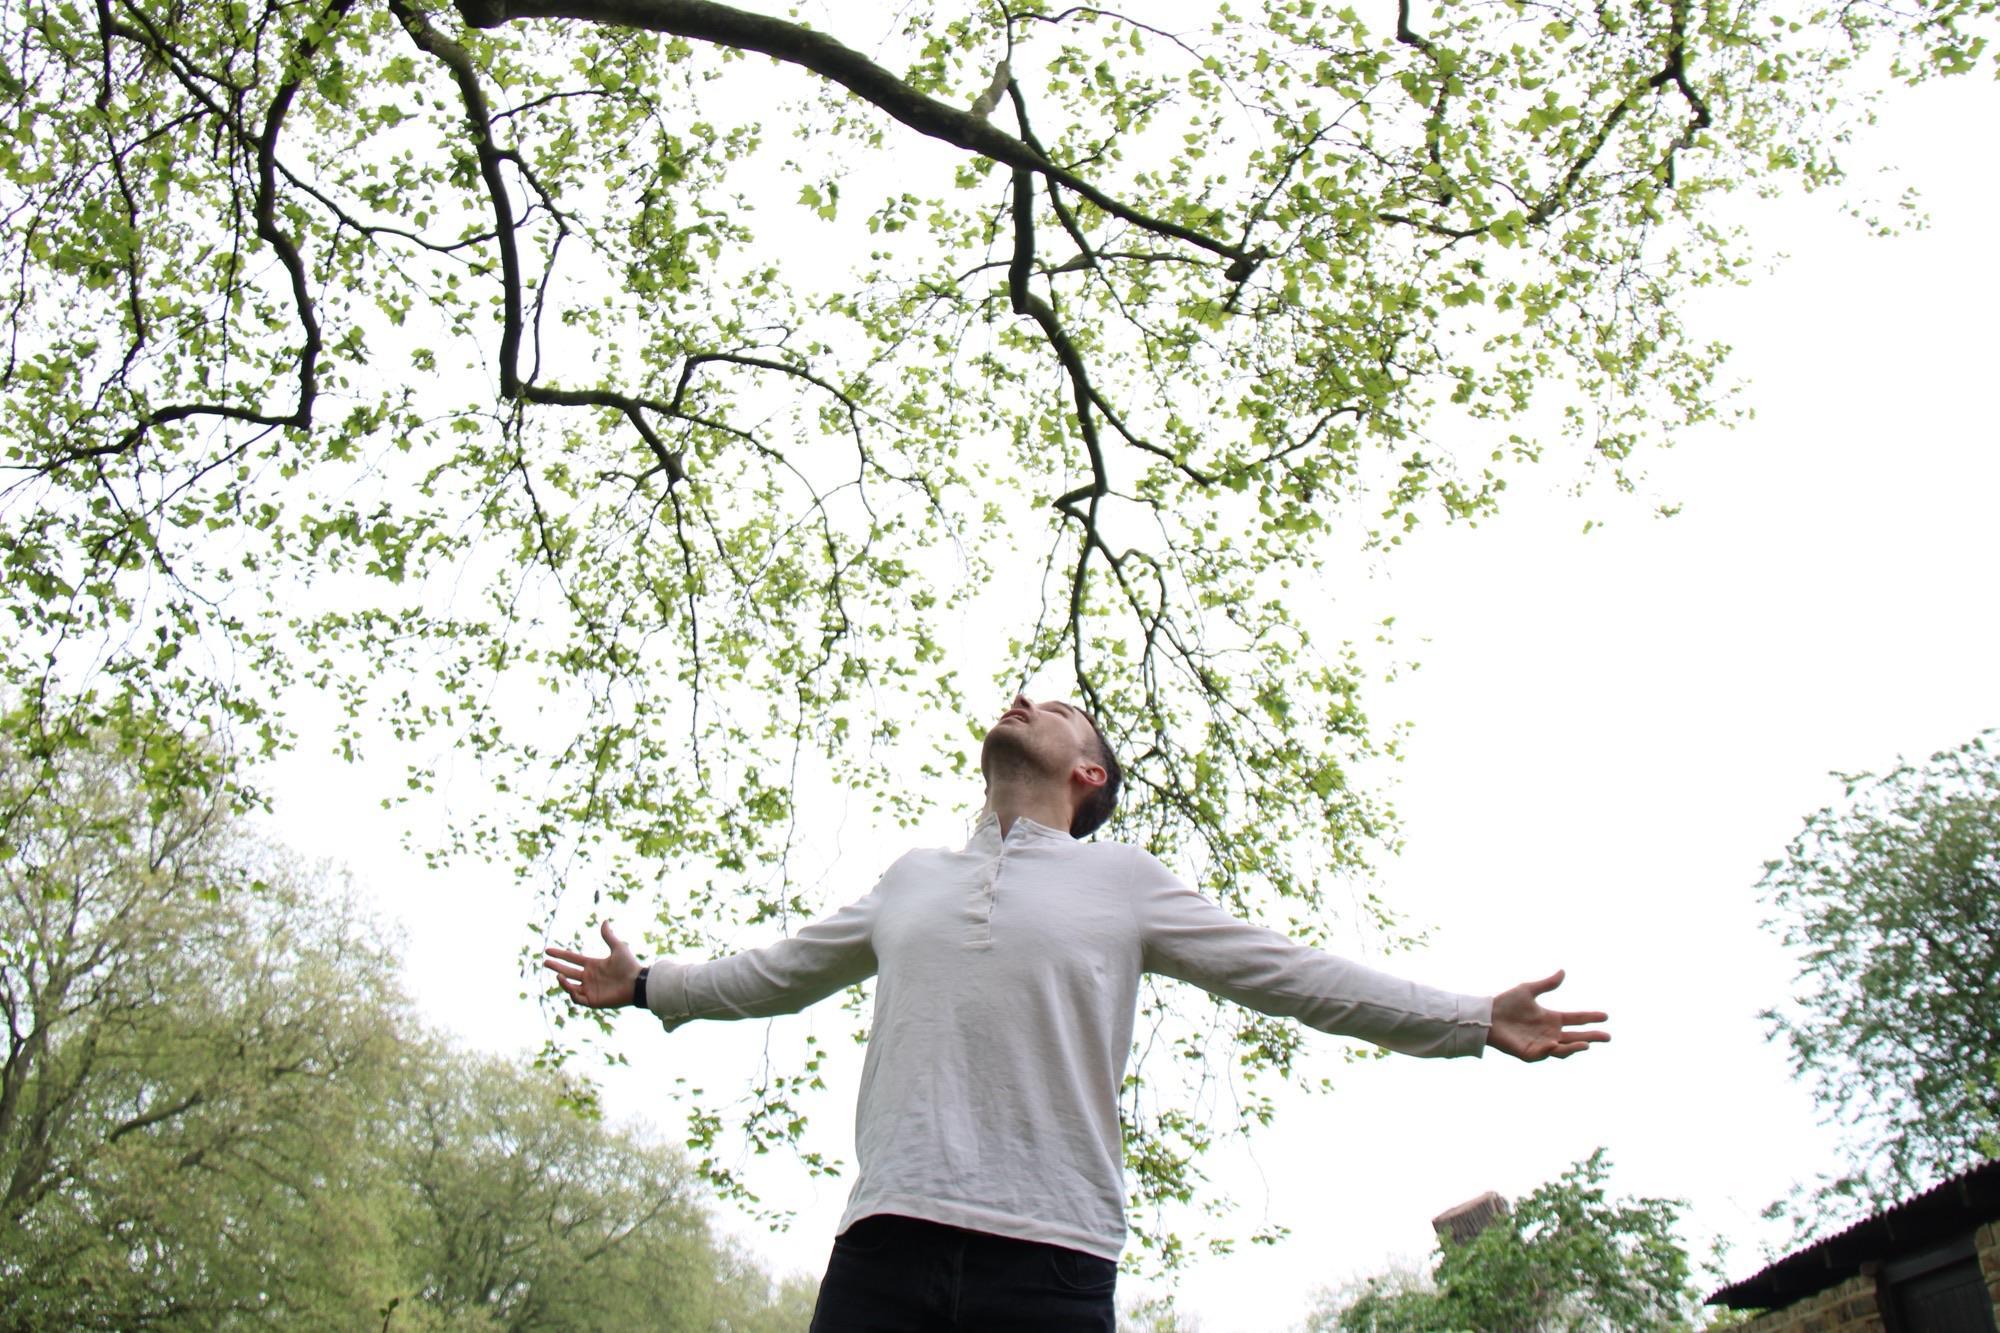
(1097, 807)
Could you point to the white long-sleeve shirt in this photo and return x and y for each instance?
(1008, 977)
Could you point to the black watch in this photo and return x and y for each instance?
(639, 988)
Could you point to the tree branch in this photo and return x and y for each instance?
(154, 1117)
(722, 25)
(264, 211)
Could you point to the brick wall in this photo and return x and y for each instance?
(1848, 1308)
(1852, 1307)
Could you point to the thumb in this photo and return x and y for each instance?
(610, 935)
(1542, 987)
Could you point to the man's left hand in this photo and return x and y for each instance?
(1526, 1030)
(601, 983)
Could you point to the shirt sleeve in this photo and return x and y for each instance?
(832, 953)
(1187, 937)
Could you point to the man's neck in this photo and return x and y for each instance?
(1008, 801)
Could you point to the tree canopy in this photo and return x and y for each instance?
(662, 415)
(1890, 902)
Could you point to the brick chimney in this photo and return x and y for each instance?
(1459, 1225)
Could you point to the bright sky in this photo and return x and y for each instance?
(1612, 732)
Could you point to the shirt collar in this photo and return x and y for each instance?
(986, 832)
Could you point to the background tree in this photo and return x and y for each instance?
(193, 1038)
(1888, 900)
(1568, 1257)
(1401, 1300)
(214, 1111)
(521, 1213)
(654, 405)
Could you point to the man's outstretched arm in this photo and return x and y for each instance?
(1189, 937)
(1527, 1030)
(781, 978)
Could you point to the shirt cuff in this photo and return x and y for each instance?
(1469, 1029)
(666, 994)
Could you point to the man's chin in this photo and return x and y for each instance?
(1001, 740)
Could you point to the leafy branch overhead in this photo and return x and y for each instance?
(644, 412)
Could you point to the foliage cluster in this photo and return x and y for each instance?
(1567, 1259)
(216, 1113)
(1890, 902)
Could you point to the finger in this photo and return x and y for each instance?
(1586, 1036)
(1546, 984)
(610, 935)
(1571, 1020)
(567, 955)
(565, 970)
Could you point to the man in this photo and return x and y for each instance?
(990, 1188)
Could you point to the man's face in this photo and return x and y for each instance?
(1048, 737)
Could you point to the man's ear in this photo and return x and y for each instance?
(1089, 774)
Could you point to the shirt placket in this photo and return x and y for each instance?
(979, 905)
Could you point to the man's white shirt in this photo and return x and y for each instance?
(1007, 983)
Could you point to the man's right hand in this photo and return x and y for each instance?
(601, 983)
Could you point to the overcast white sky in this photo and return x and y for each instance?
(1613, 731)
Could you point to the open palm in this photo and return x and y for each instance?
(600, 983)
(1526, 1030)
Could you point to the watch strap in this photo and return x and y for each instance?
(639, 988)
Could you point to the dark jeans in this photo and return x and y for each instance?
(899, 1275)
